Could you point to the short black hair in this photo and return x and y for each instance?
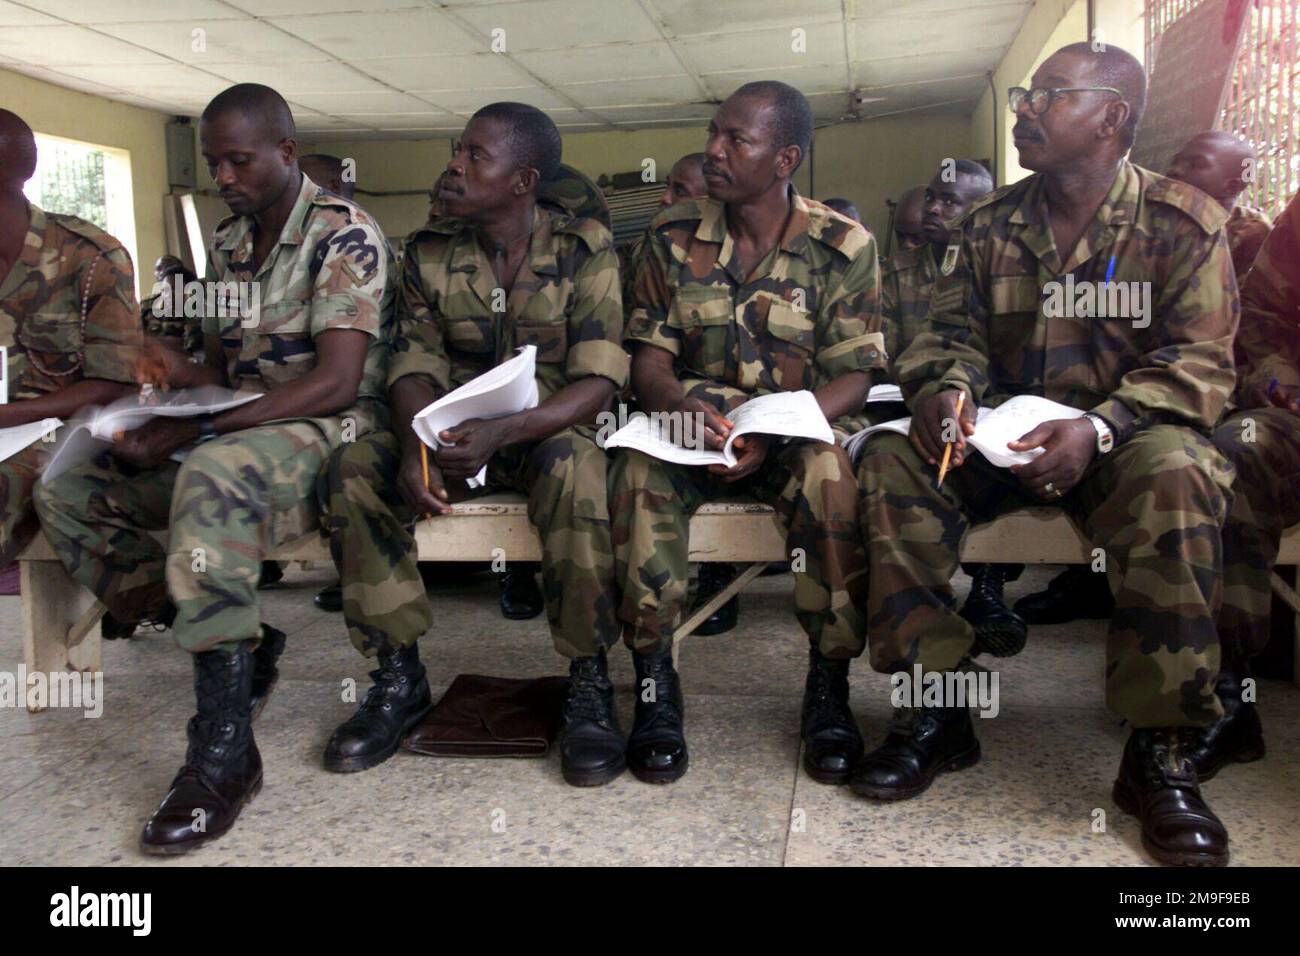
(262, 103)
(976, 171)
(793, 121)
(17, 147)
(1112, 66)
(534, 140)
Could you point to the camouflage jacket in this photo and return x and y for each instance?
(809, 312)
(989, 333)
(1268, 343)
(906, 280)
(565, 300)
(629, 260)
(1247, 228)
(65, 262)
(185, 333)
(331, 269)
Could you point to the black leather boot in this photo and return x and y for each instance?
(1157, 783)
(656, 748)
(1076, 593)
(1237, 736)
(222, 770)
(265, 673)
(329, 599)
(272, 574)
(113, 628)
(521, 598)
(832, 743)
(397, 701)
(714, 576)
(592, 750)
(999, 630)
(922, 742)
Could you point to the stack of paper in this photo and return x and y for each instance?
(13, 440)
(507, 389)
(792, 414)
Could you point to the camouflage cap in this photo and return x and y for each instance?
(571, 192)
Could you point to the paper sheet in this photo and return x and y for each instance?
(13, 440)
(884, 393)
(788, 414)
(504, 390)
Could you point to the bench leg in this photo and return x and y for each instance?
(59, 618)
(737, 585)
(1292, 600)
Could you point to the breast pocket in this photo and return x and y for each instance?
(280, 345)
(551, 338)
(790, 346)
(53, 342)
(1013, 319)
(472, 334)
(704, 325)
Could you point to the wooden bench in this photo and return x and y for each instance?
(60, 618)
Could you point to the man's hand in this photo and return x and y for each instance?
(753, 452)
(423, 499)
(716, 426)
(1285, 397)
(475, 441)
(934, 419)
(1071, 445)
(154, 442)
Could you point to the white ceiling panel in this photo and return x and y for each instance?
(416, 68)
(561, 24)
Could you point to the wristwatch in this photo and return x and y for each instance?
(1105, 437)
(207, 428)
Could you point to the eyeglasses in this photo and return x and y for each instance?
(1041, 98)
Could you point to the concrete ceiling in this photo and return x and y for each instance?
(402, 69)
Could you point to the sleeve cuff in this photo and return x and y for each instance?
(641, 327)
(344, 311)
(1119, 417)
(863, 353)
(434, 369)
(598, 357)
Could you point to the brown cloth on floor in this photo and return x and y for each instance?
(492, 717)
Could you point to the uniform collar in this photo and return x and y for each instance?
(35, 238)
(294, 226)
(1119, 208)
(794, 238)
(467, 254)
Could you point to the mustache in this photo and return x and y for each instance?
(1027, 132)
(710, 170)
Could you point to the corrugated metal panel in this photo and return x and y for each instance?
(632, 210)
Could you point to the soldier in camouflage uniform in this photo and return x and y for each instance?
(162, 315)
(476, 286)
(751, 291)
(1139, 474)
(1262, 439)
(316, 348)
(67, 323)
(685, 181)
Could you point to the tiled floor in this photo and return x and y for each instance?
(76, 791)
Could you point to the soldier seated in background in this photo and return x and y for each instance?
(329, 172)
(908, 213)
(68, 323)
(1137, 472)
(249, 483)
(1262, 438)
(162, 315)
(844, 207)
(557, 277)
(750, 291)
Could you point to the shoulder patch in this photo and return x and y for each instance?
(592, 232)
(86, 230)
(1200, 208)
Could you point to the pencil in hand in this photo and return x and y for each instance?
(947, 449)
(424, 468)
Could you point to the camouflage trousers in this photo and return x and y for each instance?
(812, 488)
(1264, 445)
(18, 522)
(1155, 506)
(370, 531)
(233, 500)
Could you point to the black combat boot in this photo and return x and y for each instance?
(329, 599)
(265, 672)
(1157, 783)
(922, 742)
(222, 770)
(113, 628)
(714, 576)
(832, 743)
(1076, 593)
(592, 751)
(521, 598)
(395, 703)
(656, 748)
(1236, 737)
(999, 630)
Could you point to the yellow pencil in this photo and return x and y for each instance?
(947, 449)
(424, 466)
